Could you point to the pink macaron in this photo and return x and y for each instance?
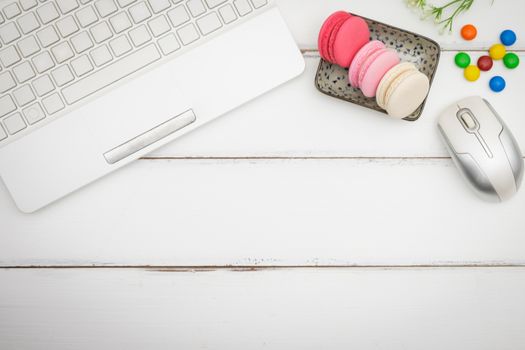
(374, 68)
(360, 58)
(341, 36)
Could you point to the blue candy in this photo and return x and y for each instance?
(497, 84)
(507, 37)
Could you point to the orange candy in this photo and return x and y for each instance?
(469, 32)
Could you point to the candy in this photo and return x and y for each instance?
(497, 51)
(507, 37)
(471, 73)
(469, 32)
(497, 84)
(462, 60)
(485, 63)
(511, 60)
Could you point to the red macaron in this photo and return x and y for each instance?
(341, 36)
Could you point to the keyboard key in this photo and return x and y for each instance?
(188, 34)
(47, 36)
(28, 4)
(3, 133)
(101, 55)
(11, 10)
(214, 3)
(67, 26)
(209, 23)
(43, 62)
(62, 52)
(81, 65)
(124, 3)
(178, 16)
(28, 46)
(81, 42)
(120, 22)
(259, 3)
(43, 85)
(47, 12)
(159, 5)
(28, 23)
(120, 45)
(139, 12)
(159, 25)
(14, 123)
(139, 35)
(227, 14)
(67, 6)
(9, 56)
(6, 82)
(23, 72)
(86, 16)
(62, 75)
(34, 113)
(53, 103)
(243, 7)
(196, 7)
(168, 44)
(9, 32)
(6, 105)
(110, 73)
(105, 7)
(101, 32)
(24, 95)
(1, 18)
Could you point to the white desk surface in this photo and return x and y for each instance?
(296, 221)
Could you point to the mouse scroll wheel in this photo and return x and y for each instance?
(467, 119)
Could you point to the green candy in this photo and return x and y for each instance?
(511, 60)
(462, 60)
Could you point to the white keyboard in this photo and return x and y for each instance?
(55, 53)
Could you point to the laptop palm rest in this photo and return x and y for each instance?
(149, 137)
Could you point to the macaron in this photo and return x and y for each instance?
(359, 59)
(402, 90)
(341, 36)
(374, 68)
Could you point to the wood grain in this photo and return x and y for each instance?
(270, 212)
(380, 309)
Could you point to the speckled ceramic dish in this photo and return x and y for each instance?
(332, 80)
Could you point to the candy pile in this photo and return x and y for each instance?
(485, 62)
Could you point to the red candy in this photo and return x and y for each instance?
(485, 63)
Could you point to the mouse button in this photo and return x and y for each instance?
(476, 177)
(467, 119)
(513, 154)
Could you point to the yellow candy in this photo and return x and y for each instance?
(497, 51)
(471, 73)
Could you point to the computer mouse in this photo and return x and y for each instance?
(483, 148)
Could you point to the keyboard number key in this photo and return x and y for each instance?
(243, 7)
(188, 34)
(34, 113)
(14, 123)
(62, 75)
(53, 103)
(169, 44)
(227, 14)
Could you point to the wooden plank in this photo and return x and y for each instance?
(380, 309)
(491, 17)
(298, 121)
(269, 212)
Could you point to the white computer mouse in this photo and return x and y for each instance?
(483, 148)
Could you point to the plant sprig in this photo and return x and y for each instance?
(452, 10)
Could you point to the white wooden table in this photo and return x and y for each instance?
(295, 222)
